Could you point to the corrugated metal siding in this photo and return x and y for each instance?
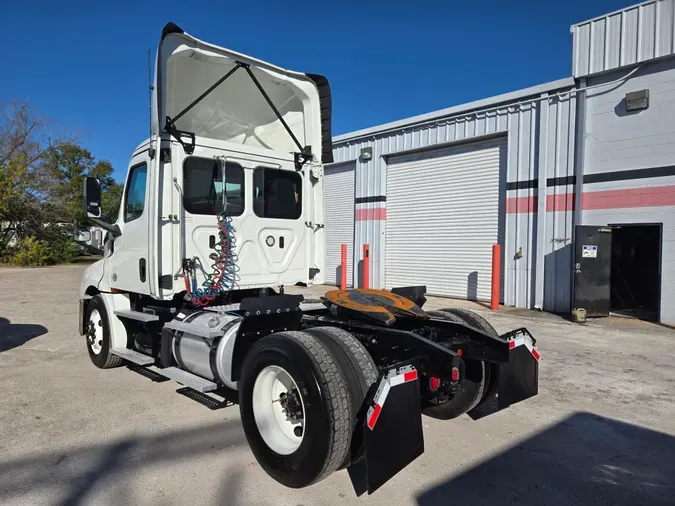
(442, 219)
(522, 124)
(619, 140)
(635, 34)
(558, 120)
(339, 221)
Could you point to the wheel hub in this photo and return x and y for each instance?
(278, 409)
(94, 332)
(290, 402)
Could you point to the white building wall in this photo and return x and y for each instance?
(623, 147)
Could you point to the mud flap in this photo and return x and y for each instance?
(392, 429)
(519, 379)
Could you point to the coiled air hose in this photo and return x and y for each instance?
(223, 271)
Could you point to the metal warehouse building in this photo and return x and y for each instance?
(431, 194)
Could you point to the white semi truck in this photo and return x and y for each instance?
(222, 209)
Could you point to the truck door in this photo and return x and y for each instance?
(592, 269)
(129, 263)
(278, 220)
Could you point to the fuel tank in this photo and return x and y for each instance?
(210, 358)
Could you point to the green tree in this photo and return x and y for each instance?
(24, 140)
(111, 200)
(63, 172)
(41, 189)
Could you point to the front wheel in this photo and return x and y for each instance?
(97, 333)
(295, 408)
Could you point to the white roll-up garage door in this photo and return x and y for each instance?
(442, 218)
(338, 189)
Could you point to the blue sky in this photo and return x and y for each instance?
(85, 66)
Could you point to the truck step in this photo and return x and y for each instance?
(188, 379)
(137, 315)
(153, 376)
(133, 356)
(204, 399)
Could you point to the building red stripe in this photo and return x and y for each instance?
(560, 202)
(521, 205)
(654, 196)
(625, 199)
(379, 213)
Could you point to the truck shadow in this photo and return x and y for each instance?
(13, 335)
(70, 477)
(585, 459)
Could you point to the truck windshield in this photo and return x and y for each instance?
(203, 186)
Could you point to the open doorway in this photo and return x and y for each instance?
(636, 270)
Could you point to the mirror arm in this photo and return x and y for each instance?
(113, 229)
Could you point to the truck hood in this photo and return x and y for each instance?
(236, 110)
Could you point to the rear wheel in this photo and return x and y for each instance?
(480, 377)
(491, 370)
(295, 408)
(360, 375)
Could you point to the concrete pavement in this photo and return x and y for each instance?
(601, 431)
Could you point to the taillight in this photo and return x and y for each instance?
(434, 384)
(455, 374)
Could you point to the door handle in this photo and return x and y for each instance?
(141, 270)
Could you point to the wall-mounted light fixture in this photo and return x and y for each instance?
(366, 154)
(637, 100)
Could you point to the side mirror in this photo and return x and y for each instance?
(92, 197)
(82, 235)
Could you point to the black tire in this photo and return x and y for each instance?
(360, 374)
(328, 407)
(103, 359)
(444, 315)
(471, 318)
(491, 371)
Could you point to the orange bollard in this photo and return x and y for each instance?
(366, 266)
(343, 268)
(496, 264)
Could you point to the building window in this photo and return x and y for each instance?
(277, 193)
(135, 193)
(203, 187)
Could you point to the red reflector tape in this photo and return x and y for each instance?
(410, 376)
(383, 391)
(373, 414)
(380, 397)
(403, 378)
(527, 342)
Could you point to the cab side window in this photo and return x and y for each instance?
(203, 187)
(134, 200)
(277, 193)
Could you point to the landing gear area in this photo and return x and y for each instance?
(636, 271)
(340, 384)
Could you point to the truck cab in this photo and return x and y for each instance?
(230, 134)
